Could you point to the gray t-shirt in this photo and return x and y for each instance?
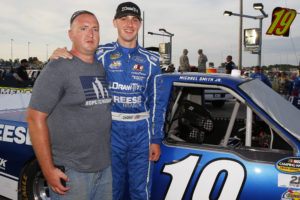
(75, 95)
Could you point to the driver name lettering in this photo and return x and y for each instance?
(195, 78)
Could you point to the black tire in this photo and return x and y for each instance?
(32, 184)
(218, 103)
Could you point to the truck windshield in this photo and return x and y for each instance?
(275, 106)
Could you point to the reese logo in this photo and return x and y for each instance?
(2, 163)
(14, 134)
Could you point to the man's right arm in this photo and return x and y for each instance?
(39, 136)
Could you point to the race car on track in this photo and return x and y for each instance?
(247, 149)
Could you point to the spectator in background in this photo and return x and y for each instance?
(229, 65)
(21, 74)
(9, 79)
(170, 69)
(261, 76)
(184, 62)
(296, 86)
(283, 84)
(202, 59)
(291, 84)
(2, 74)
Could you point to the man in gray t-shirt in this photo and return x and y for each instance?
(69, 118)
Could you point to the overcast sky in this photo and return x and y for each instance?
(196, 24)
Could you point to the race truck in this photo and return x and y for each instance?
(247, 149)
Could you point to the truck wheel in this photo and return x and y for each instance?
(218, 103)
(32, 184)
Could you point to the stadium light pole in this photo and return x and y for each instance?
(166, 34)
(260, 7)
(11, 49)
(46, 52)
(170, 35)
(28, 49)
(11, 52)
(256, 6)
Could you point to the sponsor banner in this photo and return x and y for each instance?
(14, 98)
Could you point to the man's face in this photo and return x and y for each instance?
(84, 34)
(24, 64)
(128, 28)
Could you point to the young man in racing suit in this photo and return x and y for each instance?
(130, 70)
(130, 74)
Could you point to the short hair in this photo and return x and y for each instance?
(200, 51)
(185, 50)
(24, 61)
(80, 12)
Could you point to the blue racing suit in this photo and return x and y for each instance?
(262, 77)
(296, 87)
(130, 75)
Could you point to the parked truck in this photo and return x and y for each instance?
(247, 149)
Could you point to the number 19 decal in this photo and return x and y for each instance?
(182, 172)
(282, 20)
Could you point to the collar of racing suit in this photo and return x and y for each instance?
(127, 50)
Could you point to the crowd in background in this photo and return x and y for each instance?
(286, 83)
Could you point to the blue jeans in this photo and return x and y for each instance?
(87, 186)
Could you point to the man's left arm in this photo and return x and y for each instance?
(156, 133)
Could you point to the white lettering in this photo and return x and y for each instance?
(192, 78)
(14, 91)
(8, 133)
(128, 100)
(14, 134)
(97, 102)
(1, 132)
(2, 163)
(20, 135)
(206, 79)
(130, 8)
(131, 87)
